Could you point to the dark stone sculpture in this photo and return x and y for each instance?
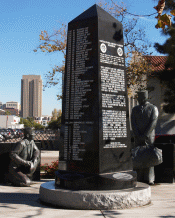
(95, 130)
(24, 159)
(143, 120)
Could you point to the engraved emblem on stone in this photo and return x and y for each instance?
(103, 48)
(123, 176)
(120, 51)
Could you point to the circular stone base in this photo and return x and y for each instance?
(95, 200)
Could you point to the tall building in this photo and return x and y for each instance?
(31, 96)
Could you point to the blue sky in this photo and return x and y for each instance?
(21, 22)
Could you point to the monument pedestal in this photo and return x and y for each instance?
(95, 200)
(95, 192)
(85, 181)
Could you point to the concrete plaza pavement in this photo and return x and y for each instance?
(24, 202)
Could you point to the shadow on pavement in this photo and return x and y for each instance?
(110, 213)
(169, 216)
(20, 198)
(8, 199)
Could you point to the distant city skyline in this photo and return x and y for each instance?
(13, 107)
(17, 105)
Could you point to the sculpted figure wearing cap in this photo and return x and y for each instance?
(143, 120)
(24, 159)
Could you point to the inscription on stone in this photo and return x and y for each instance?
(95, 116)
(77, 88)
(111, 101)
(114, 120)
(77, 143)
(114, 124)
(112, 79)
(111, 59)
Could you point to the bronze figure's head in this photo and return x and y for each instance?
(29, 133)
(142, 97)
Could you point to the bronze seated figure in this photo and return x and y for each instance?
(24, 159)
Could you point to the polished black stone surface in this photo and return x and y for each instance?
(95, 120)
(85, 181)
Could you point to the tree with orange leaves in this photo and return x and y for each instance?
(164, 19)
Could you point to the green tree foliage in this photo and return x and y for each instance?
(59, 113)
(54, 124)
(7, 113)
(55, 114)
(29, 122)
(167, 76)
(26, 122)
(38, 126)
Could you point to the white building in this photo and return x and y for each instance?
(10, 121)
(44, 120)
(13, 104)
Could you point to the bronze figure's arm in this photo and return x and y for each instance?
(135, 129)
(152, 123)
(36, 155)
(14, 155)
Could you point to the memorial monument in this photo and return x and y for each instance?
(95, 108)
(96, 144)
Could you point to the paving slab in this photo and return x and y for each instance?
(23, 202)
(162, 205)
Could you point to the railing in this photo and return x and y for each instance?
(49, 139)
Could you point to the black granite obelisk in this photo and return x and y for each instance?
(95, 115)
